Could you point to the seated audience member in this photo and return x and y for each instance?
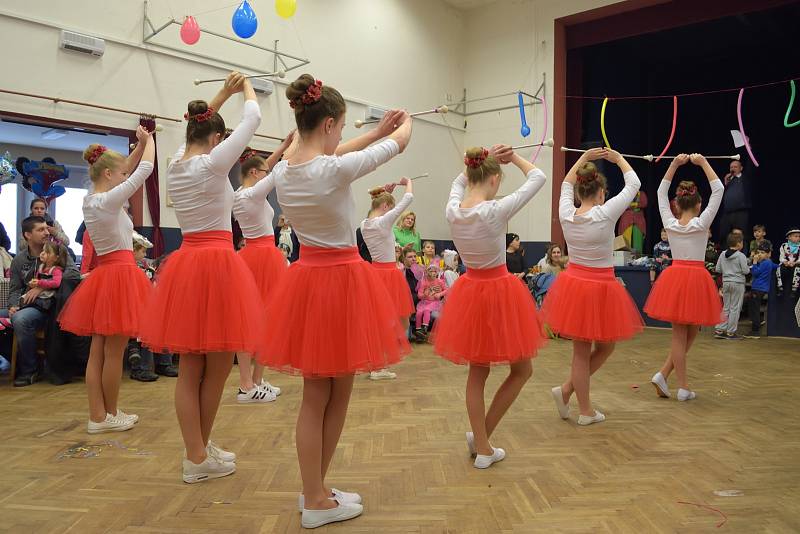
(398, 256)
(431, 291)
(405, 231)
(759, 240)
(285, 235)
(286, 251)
(429, 256)
(5, 241)
(554, 260)
(140, 359)
(39, 209)
(789, 261)
(25, 318)
(515, 256)
(450, 274)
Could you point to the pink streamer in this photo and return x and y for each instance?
(544, 131)
(674, 123)
(741, 127)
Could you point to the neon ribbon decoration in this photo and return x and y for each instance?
(741, 128)
(674, 123)
(603, 122)
(524, 129)
(544, 131)
(789, 109)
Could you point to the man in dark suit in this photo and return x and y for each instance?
(736, 202)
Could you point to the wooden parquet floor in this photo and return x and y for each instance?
(403, 450)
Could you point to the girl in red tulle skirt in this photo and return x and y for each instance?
(685, 294)
(378, 235)
(489, 317)
(586, 303)
(254, 214)
(206, 305)
(332, 317)
(108, 304)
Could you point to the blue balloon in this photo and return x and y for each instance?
(244, 21)
(37, 189)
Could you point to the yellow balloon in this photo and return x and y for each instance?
(286, 8)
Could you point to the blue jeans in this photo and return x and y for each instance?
(25, 322)
(146, 362)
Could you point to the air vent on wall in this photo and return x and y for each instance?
(261, 86)
(78, 42)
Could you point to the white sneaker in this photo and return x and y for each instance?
(660, 383)
(112, 423)
(471, 444)
(558, 397)
(483, 461)
(685, 394)
(383, 374)
(132, 416)
(219, 452)
(257, 394)
(342, 497)
(343, 512)
(211, 467)
(589, 419)
(266, 385)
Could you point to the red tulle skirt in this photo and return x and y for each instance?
(396, 285)
(332, 316)
(110, 301)
(685, 293)
(266, 263)
(205, 300)
(589, 304)
(489, 318)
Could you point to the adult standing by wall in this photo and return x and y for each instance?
(736, 201)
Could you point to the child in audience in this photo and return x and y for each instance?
(789, 259)
(762, 270)
(431, 291)
(760, 235)
(662, 255)
(450, 273)
(428, 255)
(732, 264)
(52, 262)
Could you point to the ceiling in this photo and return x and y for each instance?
(30, 135)
(468, 4)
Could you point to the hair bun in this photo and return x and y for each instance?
(376, 192)
(93, 152)
(475, 156)
(587, 173)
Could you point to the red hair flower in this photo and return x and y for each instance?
(686, 192)
(96, 153)
(584, 179)
(474, 163)
(311, 96)
(200, 117)
(248, 153)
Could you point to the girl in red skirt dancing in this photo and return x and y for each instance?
(332, 317)
(379, 237)
(586, 303)
(489, 318)
(108, 305)
(204, 306)
(254, 214)
(685, 294)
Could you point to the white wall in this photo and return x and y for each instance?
(510, 47)
(404, 53)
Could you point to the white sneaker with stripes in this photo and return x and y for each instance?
(257, 394)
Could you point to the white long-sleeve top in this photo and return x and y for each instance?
(317, 198)
(378, 233)
(252, 210)
(479, 232)
(689, 242)
(199, 186)
(106, 220)
(590, 235)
